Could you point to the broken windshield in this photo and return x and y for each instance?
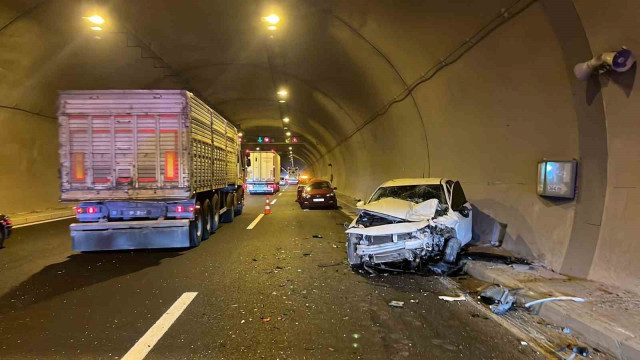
(413, 193)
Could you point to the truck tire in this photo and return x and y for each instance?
(451, 250)
(196, 227)
(2, 237)
(215, 213)
(230, 214)
(207, 219)
(240, 204)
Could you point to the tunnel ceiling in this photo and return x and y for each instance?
(338, 60)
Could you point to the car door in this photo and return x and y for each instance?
(462, 208)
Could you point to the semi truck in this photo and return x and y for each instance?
(293, 175)
(149, 168)
(263, 172)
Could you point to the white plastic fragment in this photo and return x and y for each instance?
(559, 298)
(452, 298)
(398, 304)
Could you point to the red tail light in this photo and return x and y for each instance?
(79, 210)
(92, 210)
(192, 209)
(179, 208)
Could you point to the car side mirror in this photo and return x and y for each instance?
(360, 203)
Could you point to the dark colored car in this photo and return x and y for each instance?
(5, 228)
(319, 193)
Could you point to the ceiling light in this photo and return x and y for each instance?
(290, 147)
(286, 120)
(258, 148)
(288, 133)
(282, 92)
(282, 101)
(272, 19)
(272, 27)
(96, 28)
(240, 133)
(96, 19)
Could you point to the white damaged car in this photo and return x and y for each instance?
(411, 220)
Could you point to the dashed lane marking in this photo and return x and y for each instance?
(274, 201)
(255, 222)
(146, 343)
(280, 194)
(44, 221)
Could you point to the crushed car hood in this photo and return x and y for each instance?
(402, 209)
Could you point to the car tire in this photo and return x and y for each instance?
(451, 251)
(230, 214)
(2, 237)
(207, 219)
(196, 227)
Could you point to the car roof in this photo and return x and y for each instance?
(413, 181)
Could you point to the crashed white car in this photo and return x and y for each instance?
(410, 220)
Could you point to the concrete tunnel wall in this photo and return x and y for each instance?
(486, 119)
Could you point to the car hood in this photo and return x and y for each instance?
(403, 209)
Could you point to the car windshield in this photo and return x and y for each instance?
(414, 193)
(320, 185)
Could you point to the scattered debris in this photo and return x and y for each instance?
(306, 254)
(524, 343)
(266, 320)
(242, 322)
(254, 259)
(566, 330)
(452, 298)
(444, 269)
(559, 298)
(415, 301)
(397, 304)
(329, 265)
(316, 236)
(499, 299)
(522, 267)
(355, 336)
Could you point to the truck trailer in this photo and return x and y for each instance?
(150, 168)
(293, 175)
(263, 172)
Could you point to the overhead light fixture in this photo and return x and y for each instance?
(96, 19)
(272, 19)
(281, 101)
(258, 149)
(240, 134)
(272, 27)
(282, 92)
(288, 133)
(96, 28)
(286, 119)
(290, 147)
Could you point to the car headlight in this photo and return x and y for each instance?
(332, 194)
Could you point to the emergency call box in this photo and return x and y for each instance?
(557, 178)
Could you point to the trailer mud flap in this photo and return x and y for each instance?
(130, 235)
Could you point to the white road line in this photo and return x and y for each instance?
(146, 343)
(279, 194)
(44, 221)
(255, 222)
(274, 201)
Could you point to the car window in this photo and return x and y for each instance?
(414, 193)
(320, 185)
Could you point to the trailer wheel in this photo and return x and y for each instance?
(241, 203)
(230, 214)
(207, 219)
(196, 227)
(215, 214)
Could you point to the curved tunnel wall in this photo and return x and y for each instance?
(486, 119)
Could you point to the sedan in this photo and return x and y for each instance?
(5, 228)
(319, 193)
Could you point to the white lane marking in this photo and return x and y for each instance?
(255, 222)
(274, 201)
(280, 194)
(146, 342)
(222, 210)
(44, 221)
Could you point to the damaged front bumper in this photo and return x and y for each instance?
(395, 242)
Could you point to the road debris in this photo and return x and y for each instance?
(397, 304)
(524, 343)
(499, 299)
(558, 298)
(452, 298)
(266, 320)
(316, 236)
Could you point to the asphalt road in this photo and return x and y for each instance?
(273, 292)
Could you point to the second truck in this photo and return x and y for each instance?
(263, 172)
(150, 168)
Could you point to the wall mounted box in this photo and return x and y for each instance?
(557, 178)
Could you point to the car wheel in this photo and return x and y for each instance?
(451, 250)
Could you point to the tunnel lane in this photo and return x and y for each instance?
(271, 292)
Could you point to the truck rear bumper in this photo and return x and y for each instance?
(123, 235)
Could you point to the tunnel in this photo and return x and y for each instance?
(474, 91)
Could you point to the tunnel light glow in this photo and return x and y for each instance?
(240, 134)
(282, 92)
(96, 28)
(272, 28)
(288, 133)
(290, 147)
(286, 120)
(258, 149)
(281, 101)
(272, 19)
(96, 19)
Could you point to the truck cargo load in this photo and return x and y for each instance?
(146, 163)
(263, 172)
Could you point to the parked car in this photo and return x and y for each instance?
(319, 193)
(5, 228)
(410, 220)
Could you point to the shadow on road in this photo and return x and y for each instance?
(80, 271)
